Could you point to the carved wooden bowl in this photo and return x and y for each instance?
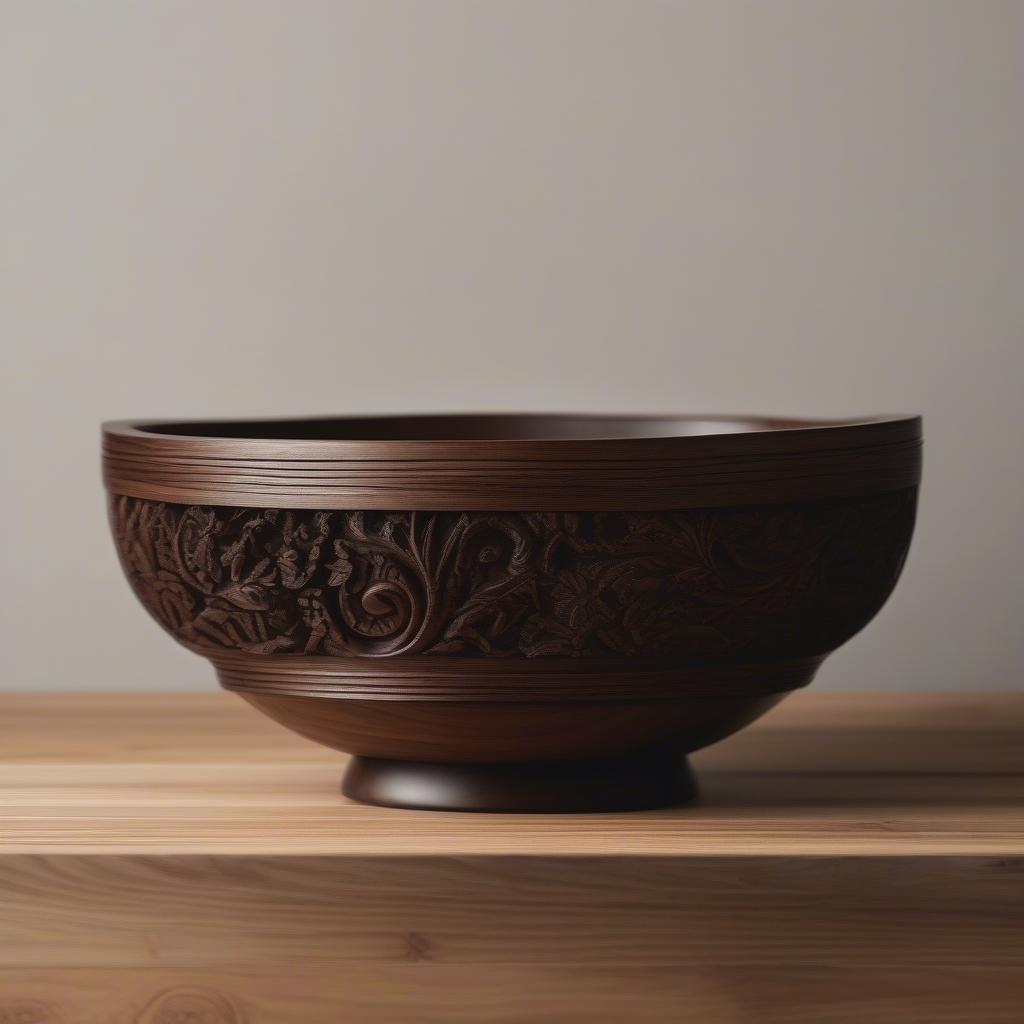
(537, 613)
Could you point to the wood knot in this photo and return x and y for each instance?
(417, 946)
(28, 1011)
(191, 1006)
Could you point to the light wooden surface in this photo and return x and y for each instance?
(203, 773)
(179, 858)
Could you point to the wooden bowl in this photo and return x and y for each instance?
(536, 613)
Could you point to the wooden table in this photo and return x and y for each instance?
(177, 859)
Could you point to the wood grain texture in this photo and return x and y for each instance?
(176, 858)
(814, 732)
(436, 994)
(696, 912)
(287, 551)
(822, 774)
(510, 462)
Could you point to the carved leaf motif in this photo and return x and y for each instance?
(341, 567)
(777, 580)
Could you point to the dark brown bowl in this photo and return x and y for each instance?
(540, 613)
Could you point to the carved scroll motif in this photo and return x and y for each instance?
(711, 583)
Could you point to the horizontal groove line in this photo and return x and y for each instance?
(470, 486)
(545, 472)
(315, 487)
(194, 458)
(627, 691)
(758, 473)
(492, 668)
(472, 684)
(507, 465)
(761, 467)
(142, 451)
(425, 678)
(479, 696)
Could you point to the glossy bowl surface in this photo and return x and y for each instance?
(514, 612)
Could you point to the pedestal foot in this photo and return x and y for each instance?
(640, 781)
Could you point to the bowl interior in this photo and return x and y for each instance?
(476, 427)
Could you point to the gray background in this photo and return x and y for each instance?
(294, 207)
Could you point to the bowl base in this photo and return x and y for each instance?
(648, 779)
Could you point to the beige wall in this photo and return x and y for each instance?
(252, 207)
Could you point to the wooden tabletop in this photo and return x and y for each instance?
(854, 859)
(823, 774)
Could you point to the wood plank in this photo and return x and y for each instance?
(439, 994)
(782, 823)
(205, 774)
(177, 857)
(763, 912)
(809, 731)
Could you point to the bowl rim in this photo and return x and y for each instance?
(750, 459)
(756, 424)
